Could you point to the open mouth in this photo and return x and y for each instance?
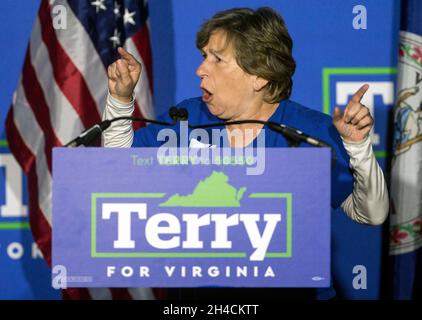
(206, 95)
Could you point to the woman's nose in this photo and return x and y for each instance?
(201, 71)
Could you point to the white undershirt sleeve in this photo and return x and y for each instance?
(368, 203)
(120, 133)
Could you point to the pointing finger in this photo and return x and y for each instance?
(127, 56)
(359, 94)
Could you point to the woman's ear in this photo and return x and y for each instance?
(259, 83)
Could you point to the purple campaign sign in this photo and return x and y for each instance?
(130, 218)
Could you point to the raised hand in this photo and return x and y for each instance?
(355, 123)
(123, 74)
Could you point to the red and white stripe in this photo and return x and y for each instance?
(62, 91)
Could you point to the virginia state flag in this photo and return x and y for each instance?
(406, 174)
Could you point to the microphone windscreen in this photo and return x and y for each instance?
(173, 113)
(183, 114)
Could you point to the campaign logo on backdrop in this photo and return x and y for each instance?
(14, 222)
(339, 84)
(203, 224)
(12, 205)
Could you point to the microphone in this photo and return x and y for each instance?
(296, 135)
(293, 136)
(177, 114)
(87, 136)
(183, 114)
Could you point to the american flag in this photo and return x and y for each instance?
(62, 91)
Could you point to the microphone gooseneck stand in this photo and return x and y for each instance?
(88, 136)
(293, 136)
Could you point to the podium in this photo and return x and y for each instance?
(142, 217)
